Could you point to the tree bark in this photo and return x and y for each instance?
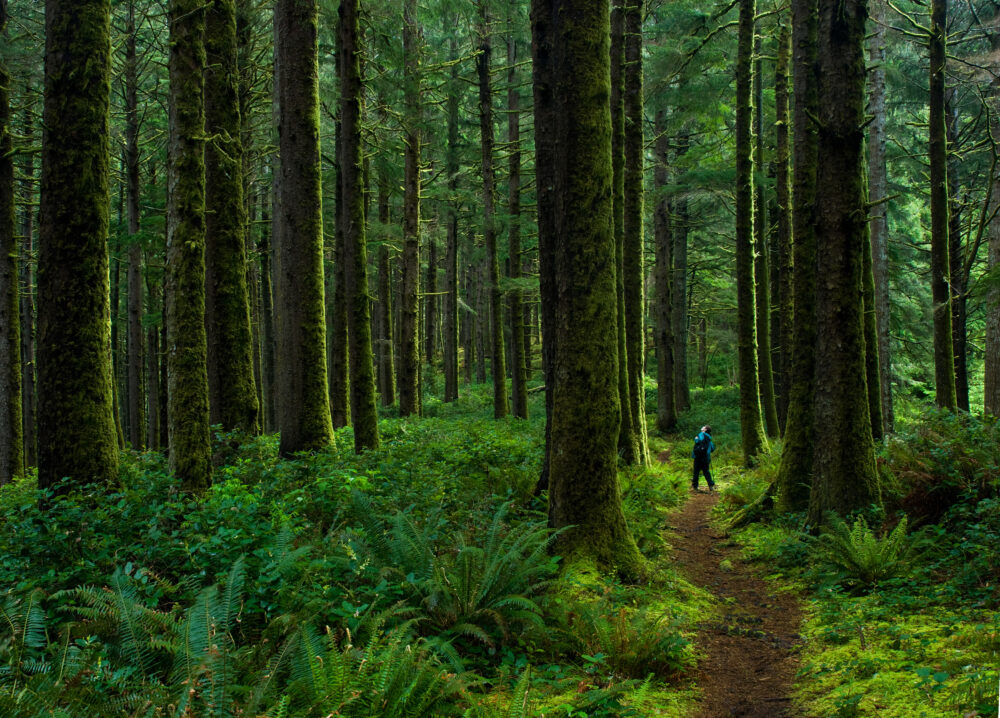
(409, 352)
(666, 408)
(451, 253)
(750, 418)
(29, 398)
(944, 358)
(958, 282)
(136, 412)
(76, 425)
(338, 358)
(519, 372)
(232, 392)
(783, 236)
(187, 373)
(680, 320)
(301, 391)
(352, 193)
(845, 477)
(991, 369)
(877, 190)
(872, 373)
(387, 374)
(265, 250)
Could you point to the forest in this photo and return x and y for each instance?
(355, 358)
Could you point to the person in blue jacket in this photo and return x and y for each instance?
(702, 455)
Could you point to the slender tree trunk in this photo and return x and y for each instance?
(783, 236)
(11, 416)
(352, 193)
(136, 412)
(30, 437)
(872, 374)
(845, 477)
(750, 418)
(991, 383)
(877, 191)
(519, 373)
(267, 322)
(387, 381)
(666, 408)
(944, 358)
(115, 343)
(632, 255)
(232, 394)
(501, 406)
(583, 477)
(338, 358)
(301, 391)
(956, 258)
(762, 274)
(431, 303)
(796, 469)
(187, 374)
(76, 428)
(679, 290)
(451, 253)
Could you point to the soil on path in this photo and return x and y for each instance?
(750, 650)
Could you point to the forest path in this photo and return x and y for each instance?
(750, 651)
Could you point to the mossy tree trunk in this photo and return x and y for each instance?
(583, 458)
(944, 358)
(682, 388)
(991, 369)
(136, 411)
(352, 193)
(750, 419)
(11, 419)
(633, 246)
(844, 459)
(519, 371)
(795, 472)
(783, 222)
(76, 424)
(451, 252)
(187, 373)
(628, 440)
(232, 390)
(386, 366)
(762, 273)
(666, 408)
(877, 190)
(501, 406)
(408, 360)
(301, 391)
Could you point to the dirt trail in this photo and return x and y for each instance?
(750, 655)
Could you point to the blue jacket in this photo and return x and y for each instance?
(711, 444)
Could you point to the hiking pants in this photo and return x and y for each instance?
(702, 467)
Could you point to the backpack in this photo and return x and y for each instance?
(701, 447)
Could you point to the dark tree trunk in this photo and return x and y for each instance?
(632, 255)
(267, 323)
(76, 416)
(944, 357)
(783, 236)
(352, 194)
(187, 373)
(519, 372)
(872, 374)
(796, 469)
(877, 191)
(232, 393)
(666, 408)
(679, 291)
(30, 437)
(750, 419)
(845, 477)
(408, 360)
(431, 303)
(583, 477)
(956, 259)
(301, 391)
(387, 375)
(451, 253)
(338, 361)
(136, 410)
(991, 379)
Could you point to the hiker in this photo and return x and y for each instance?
(702, 455)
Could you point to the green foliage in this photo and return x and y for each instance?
(863, 559)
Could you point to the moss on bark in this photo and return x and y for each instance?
(666, 407)
(76, 426)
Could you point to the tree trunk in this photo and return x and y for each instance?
(301, 391)
(783, 236)
(991, 369)
(944, 358)
(338, 358)
(136, 412)
(11, 416)
(431, 303)
(872, 374)
(632, 254)
(232, 393)
(409, 352)
(76, 424)
(187, 374)
(267, 348)
(519, 371)
(451, 253)
(679, 290)
(877, 191)
(796, 469)
(583, 477)
(956, 258)
(387, 374)
(352, 194)
(30, 437)
(845, 477)
(762, 274)
(666, 408)
(750, 418)
(501, 406)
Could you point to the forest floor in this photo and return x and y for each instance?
(750, 648)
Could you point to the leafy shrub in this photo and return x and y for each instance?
(862, 558)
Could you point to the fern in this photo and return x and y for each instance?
(863, 559)
(22, 640)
